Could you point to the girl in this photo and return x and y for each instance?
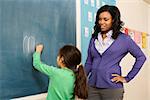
(67, 81)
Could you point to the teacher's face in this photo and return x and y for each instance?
(105, 21)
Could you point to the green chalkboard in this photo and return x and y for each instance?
(23, 24)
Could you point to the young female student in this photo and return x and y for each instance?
(108, 45)
(68, 79)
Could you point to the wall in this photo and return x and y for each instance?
(33, 97)
(149, 53)
(135, 15)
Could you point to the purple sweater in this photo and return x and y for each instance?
(101, 67)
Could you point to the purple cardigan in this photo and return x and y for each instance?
(101, 67)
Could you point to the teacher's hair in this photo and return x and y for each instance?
(117, 23)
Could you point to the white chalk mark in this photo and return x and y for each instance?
(25, 39)
(31, 43)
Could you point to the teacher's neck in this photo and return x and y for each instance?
(103, 34)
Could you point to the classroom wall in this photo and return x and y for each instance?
(135, 15)
(33, 97)
(149, 52)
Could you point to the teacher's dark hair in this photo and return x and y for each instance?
(117, 23)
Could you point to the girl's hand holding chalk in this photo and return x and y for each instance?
(39, 48)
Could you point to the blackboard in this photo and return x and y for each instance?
(23, 24)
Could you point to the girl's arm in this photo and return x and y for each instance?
(48, 70)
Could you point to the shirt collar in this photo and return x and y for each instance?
(109, 34)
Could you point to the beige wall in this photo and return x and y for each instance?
(135, 15)
(149, 53)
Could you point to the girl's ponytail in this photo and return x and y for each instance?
(72, 59)
(81, 87)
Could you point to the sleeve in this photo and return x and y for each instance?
(139, 56)
(88, 63)
(45, 69)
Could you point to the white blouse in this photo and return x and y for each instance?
(102, 45)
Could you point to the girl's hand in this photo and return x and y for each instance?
(39, 48)
(118, 78)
